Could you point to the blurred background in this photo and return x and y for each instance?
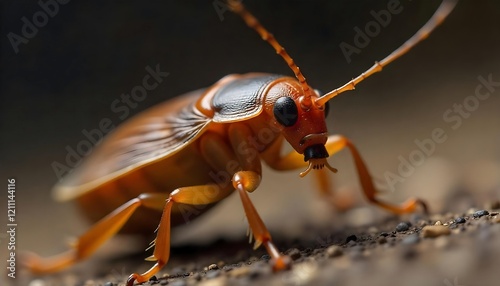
(63, 79)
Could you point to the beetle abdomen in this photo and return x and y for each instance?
(241, 98)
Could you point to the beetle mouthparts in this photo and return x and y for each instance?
(317, 164)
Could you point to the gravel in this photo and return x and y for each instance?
(480, 213)
(466, 245)
(435, 231)
(402, 226)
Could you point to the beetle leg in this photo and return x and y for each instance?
(293, 160)
(336, 143)
(273, 157)
(241, 160)
(194, 195)
(340, 201)
(248, 180)
(94, 237)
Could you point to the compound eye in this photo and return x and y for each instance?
(285, 111)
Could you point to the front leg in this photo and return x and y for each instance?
(293, 160)
(336, 143)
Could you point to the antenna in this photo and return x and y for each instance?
(441, 13)
(253, 23)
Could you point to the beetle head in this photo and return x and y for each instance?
(308, 103)
(301, 123)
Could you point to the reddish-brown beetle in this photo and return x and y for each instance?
(204, 136)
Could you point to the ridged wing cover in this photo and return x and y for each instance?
(161, 131)
(241, 99)
(152, 135)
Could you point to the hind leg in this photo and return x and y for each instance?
(90, 241)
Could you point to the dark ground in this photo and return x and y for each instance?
(388, 252)
(64, 79)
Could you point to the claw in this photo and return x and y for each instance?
(257, 244)
(131, 279)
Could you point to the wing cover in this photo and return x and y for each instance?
(153, 135)
(241, 99)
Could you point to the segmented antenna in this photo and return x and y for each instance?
(253, 23)
(441, 13)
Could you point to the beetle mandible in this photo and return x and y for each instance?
(200, 133)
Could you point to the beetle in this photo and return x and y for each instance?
(200, 147)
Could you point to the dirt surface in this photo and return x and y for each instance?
(451, 249)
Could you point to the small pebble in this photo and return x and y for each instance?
(384, 234)
(435, 231)
(402, 226)
(460, 220)
(334, 251)
(294, 253)
(153, 278)
(213, 266)
(438, 223)
(351, 238)
(480, 213)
